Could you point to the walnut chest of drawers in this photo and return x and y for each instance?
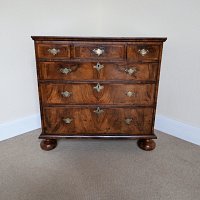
(98, 88)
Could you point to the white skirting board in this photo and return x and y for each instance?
(164, 124)
(20, 126)
(178, 129)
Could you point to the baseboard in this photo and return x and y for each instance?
(20, 126)
(178, 129)
(164, 124)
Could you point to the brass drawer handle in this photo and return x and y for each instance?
(131, 71)
(98, 51)
(65, 70)
(54, 51)
(98, 111)
(66, 94)
(128, 121)
(143, 52)
(98, 66)
(131, 94)
(67, 120)
(98, 87)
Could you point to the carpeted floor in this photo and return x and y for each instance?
(99, 170)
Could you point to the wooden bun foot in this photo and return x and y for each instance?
(48, 144)
(146, 144)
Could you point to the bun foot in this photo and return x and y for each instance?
(48, 144)
(146, 144)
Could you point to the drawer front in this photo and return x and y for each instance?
(143, 52)
(98, 121)
(100, 51)
(97, 71)
(53, 51)
(97, 93)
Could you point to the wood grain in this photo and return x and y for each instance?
(87, 71)
(86, 94)
(134, 55)
(42, 51)
(111, 51)
(86, 121)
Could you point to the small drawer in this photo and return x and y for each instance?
(143, 52)
(97, 93)
(97, 71)
(53, 51)
(99, 51)
(97, 120)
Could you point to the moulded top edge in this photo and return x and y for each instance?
(123, 39)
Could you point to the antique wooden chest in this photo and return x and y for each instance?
(93, 87)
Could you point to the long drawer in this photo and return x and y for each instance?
(97, 71)
(98, 120)
(97, 93)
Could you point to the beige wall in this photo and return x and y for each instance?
(179, 93)
(18, 21)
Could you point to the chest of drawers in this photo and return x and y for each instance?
(98, 88)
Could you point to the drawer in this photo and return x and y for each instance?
(97, 93)
(97, 71)
(97, 120)
(99, 51)
(53, 51)
(143, 52)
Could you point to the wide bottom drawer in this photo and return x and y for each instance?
(97, 120)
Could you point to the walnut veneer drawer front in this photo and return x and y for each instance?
(91, 87)
(97, 71)
(98, 93)
(100, 51)
(142, 52)
(53, 51)
(98, 120)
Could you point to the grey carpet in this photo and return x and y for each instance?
(99, 170)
